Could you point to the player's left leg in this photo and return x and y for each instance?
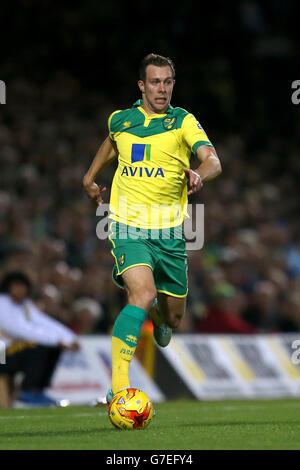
(171, 281)
(172, 309)
(166, 316)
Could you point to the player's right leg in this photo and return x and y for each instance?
(141, 292)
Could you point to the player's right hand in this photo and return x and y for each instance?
(94, 193)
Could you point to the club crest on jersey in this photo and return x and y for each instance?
(169, 123)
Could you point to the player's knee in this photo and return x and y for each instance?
(143, 298)
(150, 296)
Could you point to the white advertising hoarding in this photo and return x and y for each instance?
(235, 366)
(85, 375)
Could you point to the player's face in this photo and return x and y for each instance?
(157, 88)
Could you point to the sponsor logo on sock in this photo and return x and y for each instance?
(127, 352)
(131, 339)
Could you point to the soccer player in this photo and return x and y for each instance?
(153, 142)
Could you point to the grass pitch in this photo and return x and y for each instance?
(179, 425)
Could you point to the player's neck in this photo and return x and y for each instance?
(148, 109)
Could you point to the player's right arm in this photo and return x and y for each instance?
(104, 157)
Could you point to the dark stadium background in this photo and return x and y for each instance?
(68, 65)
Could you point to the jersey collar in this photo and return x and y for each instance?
(139, 103)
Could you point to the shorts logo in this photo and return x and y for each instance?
(121, 260)
(169, 123)
(140, 152)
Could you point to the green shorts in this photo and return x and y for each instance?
(162, 250)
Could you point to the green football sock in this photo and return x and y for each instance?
(125, 338)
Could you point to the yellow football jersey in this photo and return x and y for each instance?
(149, 188)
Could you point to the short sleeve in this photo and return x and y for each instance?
(193, 133)
(111, 123)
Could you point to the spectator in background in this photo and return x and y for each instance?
(263, 311)
(223, 309)
(290, 320)
(88, 313)
(33, 340)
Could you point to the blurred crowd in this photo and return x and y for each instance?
(246, 278)
(67, 69)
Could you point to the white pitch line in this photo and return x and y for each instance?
(78, 415)
(252, 407)
(245, 405)
(202, 408)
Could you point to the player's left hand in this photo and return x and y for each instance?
(195, 181)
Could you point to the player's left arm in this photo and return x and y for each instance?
(209, 168)
(197, 140)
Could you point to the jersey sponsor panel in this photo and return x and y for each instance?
(153, 153)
